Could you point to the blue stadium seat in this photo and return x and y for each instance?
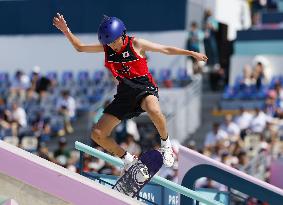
(4, 78)
(237, 83)
(67, 77)
(273, 81)
(228, 93)
(182, 74)
(83, 76)
(98, 76)
(96, 95)
(262, 93)
(281, 79)
(165, 74)
(52, 75)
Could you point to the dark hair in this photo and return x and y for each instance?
(194, 24)
(65, 92)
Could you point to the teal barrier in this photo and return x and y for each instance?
(2, 200)
(158, 180)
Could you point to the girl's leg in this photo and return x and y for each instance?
(101, 134)
(150, 104)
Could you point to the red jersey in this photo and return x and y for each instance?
(126, 63)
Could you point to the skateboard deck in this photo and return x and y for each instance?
(140, 173)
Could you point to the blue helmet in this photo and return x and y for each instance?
(110, 29)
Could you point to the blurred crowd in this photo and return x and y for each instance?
(206, 36)
(203, 39)
(257, 7)
(33, 109)
(132, 137)
(248, 141)
(254, 83)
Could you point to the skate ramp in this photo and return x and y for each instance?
(31, 180)
(24, 194)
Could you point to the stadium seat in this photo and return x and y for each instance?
(98, 76)
(52, 75)
(228, 93)
(164, 74)
(83, 76)
(4, 78)
(67, 77)
(182, 74)
(273, 81)
(182, 77)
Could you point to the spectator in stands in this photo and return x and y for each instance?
(66, 106)
(243, 160)
(46, 131)
(32, 100)
(256, 20)
(243, 120)
(126, 127)
(258, 5)
(258, 122)
(131, 145)
(194, 43)
(40, 84)
(5, 125)
(231, 128)
(31, 96)
(18, 86)
(192, 145)
(217, 73)
(96, 164)
(259, 75)
(44, 153)
(270, 132)
(270, 105)
(279, 91)
(215, 136)
(32, 131)
(248, 78)
(18, 118)
(62, 154)
(226, 158)
(210, 26)
(131, 128)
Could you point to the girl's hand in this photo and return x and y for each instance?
(200, 57)
(60, 23)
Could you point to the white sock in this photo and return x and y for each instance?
(166, 143)
(128, 158)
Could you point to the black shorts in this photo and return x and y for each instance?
(127, 101)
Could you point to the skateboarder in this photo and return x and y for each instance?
(137, 92)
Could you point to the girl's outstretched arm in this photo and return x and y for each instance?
(145, 45)
(61, 24)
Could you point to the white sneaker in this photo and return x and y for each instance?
(168, 156)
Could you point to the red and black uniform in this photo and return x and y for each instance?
(135, 81)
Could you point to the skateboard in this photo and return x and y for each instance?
(140, 173)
